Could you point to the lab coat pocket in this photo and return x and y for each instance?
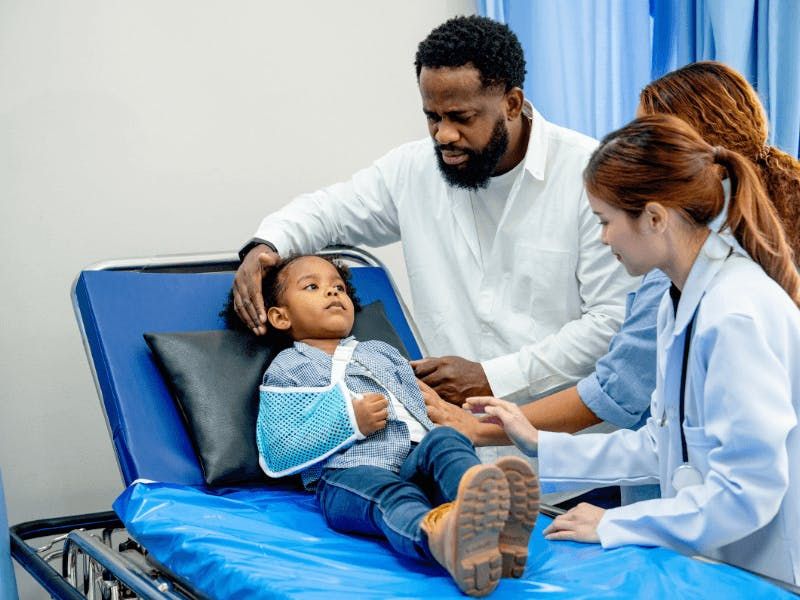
(698, 445)
(540, 280)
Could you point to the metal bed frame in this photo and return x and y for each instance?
(90, 564)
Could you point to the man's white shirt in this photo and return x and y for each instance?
(536, 305)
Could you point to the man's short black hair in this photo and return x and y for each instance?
(489, 46)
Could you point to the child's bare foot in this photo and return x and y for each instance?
(463, 534)
(523, 486)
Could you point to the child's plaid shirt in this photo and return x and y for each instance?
(305, 366)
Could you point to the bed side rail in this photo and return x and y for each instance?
(90, 565)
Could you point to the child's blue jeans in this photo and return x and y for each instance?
(375, 501)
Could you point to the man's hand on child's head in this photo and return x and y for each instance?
(371, 411)
(247, 298)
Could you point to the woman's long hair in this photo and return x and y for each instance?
(725, 110)
(661, 159)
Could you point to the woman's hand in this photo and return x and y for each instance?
(509, 416)
(579, 524)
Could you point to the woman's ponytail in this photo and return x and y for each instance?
(780, 174)
(754, 223)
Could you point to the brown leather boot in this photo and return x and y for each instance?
(463, 534)
(523, 485)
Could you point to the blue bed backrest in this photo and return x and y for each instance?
(117, 307)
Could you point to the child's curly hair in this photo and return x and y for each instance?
(272, 287)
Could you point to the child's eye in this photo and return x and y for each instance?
(311, 286)
(340, 287)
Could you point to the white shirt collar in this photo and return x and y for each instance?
(717, 224)
(536, 154)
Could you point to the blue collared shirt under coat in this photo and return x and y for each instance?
(305, 366)
(619, 389)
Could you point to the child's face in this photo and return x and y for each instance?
(314, 303)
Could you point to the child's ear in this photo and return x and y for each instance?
(278, 317)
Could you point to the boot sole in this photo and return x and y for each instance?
(482, 506)
(523, 485)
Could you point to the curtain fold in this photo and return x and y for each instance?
(582, 73)
(588, 60)
(759, 38)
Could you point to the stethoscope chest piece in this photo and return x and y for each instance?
(685, 476)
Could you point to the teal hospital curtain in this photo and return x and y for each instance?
(588, 59)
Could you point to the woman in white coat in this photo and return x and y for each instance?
(723, 439)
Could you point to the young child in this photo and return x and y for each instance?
(350, 418)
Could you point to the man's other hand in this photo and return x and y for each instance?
(372, 411)
(454, 378)
(247, 298)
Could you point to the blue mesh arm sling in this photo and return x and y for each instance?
(301, 426)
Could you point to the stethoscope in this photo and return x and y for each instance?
(684, 474)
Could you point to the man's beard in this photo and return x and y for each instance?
(477, 170)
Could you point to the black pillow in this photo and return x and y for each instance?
(372, 324)
(214, 377)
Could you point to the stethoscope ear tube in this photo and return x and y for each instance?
(685, 475)
(687, 341)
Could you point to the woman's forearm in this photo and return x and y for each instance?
(561, 411)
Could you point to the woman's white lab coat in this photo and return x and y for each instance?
(741, 426)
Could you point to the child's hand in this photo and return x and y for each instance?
(509, 416)
(371, 410)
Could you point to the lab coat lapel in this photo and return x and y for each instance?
(706, 266)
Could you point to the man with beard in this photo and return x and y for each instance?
(513, 292)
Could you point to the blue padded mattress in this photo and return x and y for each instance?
(273, 543)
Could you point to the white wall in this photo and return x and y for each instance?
(158, 127)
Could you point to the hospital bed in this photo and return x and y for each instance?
(172, 535)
